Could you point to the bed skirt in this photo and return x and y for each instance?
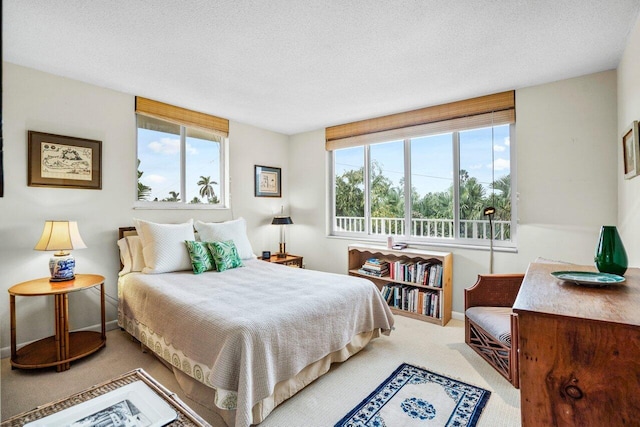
(202, 394)
(192, 378)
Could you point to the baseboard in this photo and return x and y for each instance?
(6, 351)
(457, 315)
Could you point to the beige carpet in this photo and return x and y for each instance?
(320, 404)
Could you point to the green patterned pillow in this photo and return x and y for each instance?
(201, 259)
(225, 255)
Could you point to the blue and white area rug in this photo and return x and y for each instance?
(413, 396)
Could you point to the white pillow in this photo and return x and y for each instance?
(235, 230)
(163, 245)
(131, 254)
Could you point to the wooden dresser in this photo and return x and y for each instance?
(579, 350)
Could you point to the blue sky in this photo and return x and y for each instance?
(432, 158)
(159, 153)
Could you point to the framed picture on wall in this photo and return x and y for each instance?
(631, 151)
(64, 161)
(267, 181)
(1, 165)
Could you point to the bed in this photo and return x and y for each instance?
(243, 340)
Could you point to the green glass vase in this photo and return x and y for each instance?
(610, 254)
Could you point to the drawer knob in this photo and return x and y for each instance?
(573, 391)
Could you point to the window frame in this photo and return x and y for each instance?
(184, 204)
(456, 241)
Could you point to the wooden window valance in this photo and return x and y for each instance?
(489, 110)
(182, 116)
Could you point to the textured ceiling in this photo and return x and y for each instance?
(298, 65)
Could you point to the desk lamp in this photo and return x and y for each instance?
(282, 221)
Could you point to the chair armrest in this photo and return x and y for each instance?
(494, 290)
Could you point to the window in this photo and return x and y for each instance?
(439, 206)
(485, 180)
(386, 187)
(180, 163)
(430, 185)
(349, 189)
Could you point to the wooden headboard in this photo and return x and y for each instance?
(126, 231)
(123, 232)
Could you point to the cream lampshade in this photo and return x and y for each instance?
(60, 236)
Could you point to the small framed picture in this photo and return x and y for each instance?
(268, 180)
(631, 151)
(64, 161)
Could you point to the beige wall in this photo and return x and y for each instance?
(629, 110)
(33, 100)
(565, 145)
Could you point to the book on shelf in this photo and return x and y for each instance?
(366, 272)
(435, 275)
(387, 292)
(412, 299)
(422, 273)
(376, 263)
(375, 267)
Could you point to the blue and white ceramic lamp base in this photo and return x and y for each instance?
(62, 268)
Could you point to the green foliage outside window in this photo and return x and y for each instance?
(387, 201)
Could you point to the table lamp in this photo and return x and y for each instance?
(60, 236)
(282, 221)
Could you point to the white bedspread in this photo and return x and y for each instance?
(257, 325)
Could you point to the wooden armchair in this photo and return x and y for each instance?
(491, 328)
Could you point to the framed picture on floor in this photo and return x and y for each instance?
(267, 181)
(64, 161)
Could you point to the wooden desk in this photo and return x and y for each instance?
(64, 347)
(579, 350)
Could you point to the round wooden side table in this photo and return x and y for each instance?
(64, 347)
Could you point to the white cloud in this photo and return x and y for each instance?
(501, 164)
(191, 150)
(165, 146)
(507, 141)
(155, 179)
(499, 148)
(170, 146)
(475, 167)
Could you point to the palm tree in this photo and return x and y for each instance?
(206, 189)
(349, 193)
(472, 195)
(502, 198)
(144, 191)
(173, 197)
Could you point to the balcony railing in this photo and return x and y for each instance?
(421, 227)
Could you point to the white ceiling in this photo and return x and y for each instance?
(298, 65)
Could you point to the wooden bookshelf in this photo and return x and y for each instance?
(358, 254)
